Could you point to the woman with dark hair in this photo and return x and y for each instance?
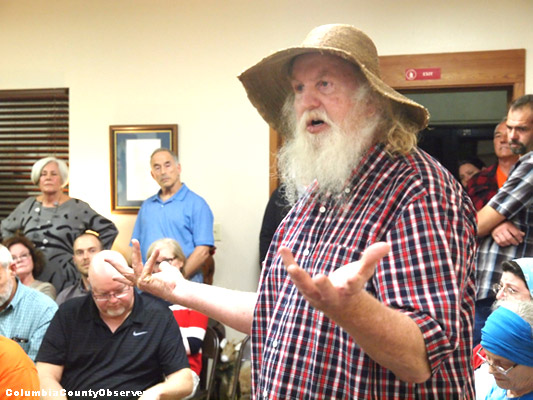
(468, 167)
(516, 282)
(29, 262)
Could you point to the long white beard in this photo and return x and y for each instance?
(328, 157)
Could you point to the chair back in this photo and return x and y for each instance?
(210, 357)
(245, 353)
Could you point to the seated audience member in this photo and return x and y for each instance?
(485, 184)
(29, 262)
(468, 168)
(114, 339)
(507, 339)
(18, 375)
(85, 247)
(24, 312)
(192, 323)
(516, 283)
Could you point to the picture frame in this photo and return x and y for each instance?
(130, 149)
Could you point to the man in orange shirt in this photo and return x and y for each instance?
(485, 184)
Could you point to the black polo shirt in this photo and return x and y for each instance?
(145, 348)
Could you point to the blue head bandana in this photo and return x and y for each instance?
(509, 336)
(526, 264)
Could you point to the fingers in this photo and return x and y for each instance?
(123, 280)
(136, 257)
(300, 277)
(287, 257)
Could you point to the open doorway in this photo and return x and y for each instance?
(462, 123)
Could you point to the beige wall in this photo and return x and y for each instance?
(176, 61)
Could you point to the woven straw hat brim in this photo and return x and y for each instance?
(267, 83)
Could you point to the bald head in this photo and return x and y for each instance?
(113, 299)
(101, 273)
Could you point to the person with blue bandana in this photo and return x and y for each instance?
(507, 339)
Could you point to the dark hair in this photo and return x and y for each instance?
(514, 268)
(472, 160)
(521, 102)
(36, 255)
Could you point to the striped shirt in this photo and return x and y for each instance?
(414, 204)
(515, 202)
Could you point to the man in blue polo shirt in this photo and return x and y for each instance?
(178, 213)
(113, 341)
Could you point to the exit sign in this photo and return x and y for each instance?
(421, 74)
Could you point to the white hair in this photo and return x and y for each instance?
(6, 259)
(43, 162)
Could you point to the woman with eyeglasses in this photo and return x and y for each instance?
(516, 283)
(29, 263)
(192, 323)
(507, 340)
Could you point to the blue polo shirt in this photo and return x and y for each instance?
(185, 217)
(26, 318)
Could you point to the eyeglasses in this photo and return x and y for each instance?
(507, 290)
(107, 296)
(22, 257)
(168, 260)
(499, 369)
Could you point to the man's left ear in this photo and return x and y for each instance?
(13, 268)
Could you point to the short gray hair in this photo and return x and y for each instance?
(6, 259)
(159, 150)
(171, 243)
(43, 162)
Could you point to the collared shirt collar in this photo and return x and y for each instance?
(178, 196)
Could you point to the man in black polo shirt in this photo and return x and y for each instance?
(113, 343)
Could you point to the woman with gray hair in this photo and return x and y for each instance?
(53, 219)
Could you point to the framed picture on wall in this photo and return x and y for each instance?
(130, 150)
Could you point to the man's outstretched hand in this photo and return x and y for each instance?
(161, 284)
(333, 293)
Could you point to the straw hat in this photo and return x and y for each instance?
(267, 83)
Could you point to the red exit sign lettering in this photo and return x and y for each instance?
(420, 74)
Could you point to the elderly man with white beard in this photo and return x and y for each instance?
(367, 291)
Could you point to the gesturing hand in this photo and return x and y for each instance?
(160, 284)
(331, 294)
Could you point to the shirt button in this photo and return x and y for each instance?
(275, 343)
(265, 394)
(306, 252)
(347, 190)
(322, 209)
(45, 241)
